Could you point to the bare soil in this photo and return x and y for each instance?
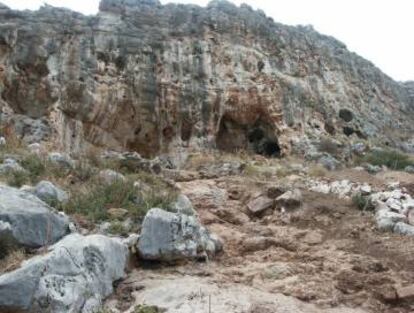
(327, 252)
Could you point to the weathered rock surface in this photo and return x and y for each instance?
(179, 76)
(290, 199)
(109, 176)
(75, 276)
(61, 159)
(192, 294)
(49, 193)
(169, 236)
(10, 165)
(183, 205)
(260, 205)
(32, 222)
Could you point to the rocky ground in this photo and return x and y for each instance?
(233, 233)
(325, 252)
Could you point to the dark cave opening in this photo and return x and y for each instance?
(259, 138)
(348, 131)
(346, 115)
(271, 149)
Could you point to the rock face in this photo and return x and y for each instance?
(32, 222)
(169, 236)
(75, 276)
(178, 76)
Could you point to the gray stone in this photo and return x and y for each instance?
(386, 219)
(61, 160)
(49, 193)
(35, 148)
(33, 222)
(329, 162)
(365, 189)
(260, 205)
(109, 176)
(373, 169)
(290, 199)
(409, 169)
(404, 229)
(31, 130)
(3, 141)
(169, 236)
(10, 165)
(221, 169)
(75, 276)
(183, 205)
(358, 148)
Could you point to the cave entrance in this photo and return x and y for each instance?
(259, 138)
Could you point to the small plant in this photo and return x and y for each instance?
(117, 228)
(142, 308)
(393, 159)
(35, 166)
(317, 170)
(98, 198)
(12, 261)
(17, 178)
(363, 203)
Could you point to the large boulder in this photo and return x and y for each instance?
(33, 223)
(75, 276)
(169, 236)
(48, 192)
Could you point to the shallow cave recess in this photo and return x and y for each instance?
(258, 138)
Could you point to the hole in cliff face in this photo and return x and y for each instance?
(330, 129)
(348, 131)
(270, 149)
(186, 130)
(346, 115)
(259, 138)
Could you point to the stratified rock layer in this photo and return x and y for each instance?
(156, 78)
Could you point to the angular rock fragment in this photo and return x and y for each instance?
(169, 236)
(33, 223)
(75, 276)
(260, 205)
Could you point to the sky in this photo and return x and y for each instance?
(378, 30)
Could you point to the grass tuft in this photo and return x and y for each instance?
(392, 159)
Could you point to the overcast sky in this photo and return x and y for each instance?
(379, 30)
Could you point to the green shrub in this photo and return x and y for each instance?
(393, 159)
(363, 203)
(17, 178)
(35, 166)
(98, 198)
(95, 201)
(117, 228)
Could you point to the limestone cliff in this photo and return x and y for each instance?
(153, 78)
